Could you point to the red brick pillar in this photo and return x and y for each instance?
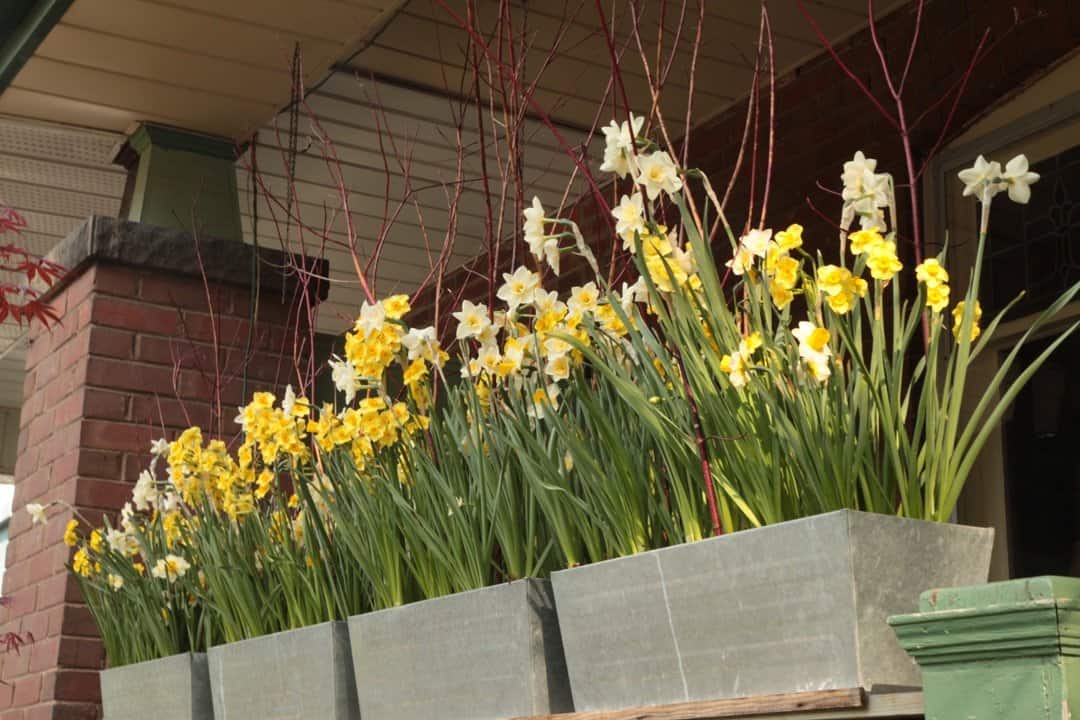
(135, 335)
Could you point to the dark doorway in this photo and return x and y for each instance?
(1042, 465)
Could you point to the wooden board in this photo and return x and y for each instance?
(733, 707)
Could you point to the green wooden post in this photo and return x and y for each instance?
(1002, 651)
(182, 180)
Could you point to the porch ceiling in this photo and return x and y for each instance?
(424, 45)
(215, 67)
(221, 67)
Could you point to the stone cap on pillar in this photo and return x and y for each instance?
(1003, 620)
(107, 239)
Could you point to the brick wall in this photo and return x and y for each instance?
(822, 118)
(125, 365)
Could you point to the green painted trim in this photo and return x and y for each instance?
(1001, 651)
(162, 136)
(23, 25)
(1018, 618)
(955, 636)
(12, 13)
(1001, 594)
(183, 180)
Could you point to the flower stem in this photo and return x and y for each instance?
(703, 451)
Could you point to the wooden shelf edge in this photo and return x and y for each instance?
(846, 699)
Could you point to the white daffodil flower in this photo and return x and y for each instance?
(372, 318)
(856, 168)
(819, 368)
(168, 501)
(658, 173)
(736, 370)
(489, 335)
(422, 343)
(743, 261)
(288, 402)
(1019, 178)
(814, 348)
(875, 218)
(555, 347)
(160, 447)
(488, 359)
(619, 146)
(982, 179)
(551, 253)
(557, 366)
(868, 193)
(865, 193)
(631, 294)
(122, 542)
(37, 513)
(534, 225)
(584, 299)
(171, 567)
(756, 242)
(472, 319)
(518, 288)
(512, 357)
(547, 301)
(145, 493)
(343, 373)
(629, 217)
(543, 398)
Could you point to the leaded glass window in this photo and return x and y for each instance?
(1035, 248)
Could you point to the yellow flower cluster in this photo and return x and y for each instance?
(271, 434)
(272, 431)
(958, 320)
(210, 472)
(365, 429)
(881, 253)
(668, 265)
(71, 533)
(375, 343)
(81, 563)
(372, 350)
(379, 340)
(936, 279)
(782, 269)
(841, 287)
(172, 523)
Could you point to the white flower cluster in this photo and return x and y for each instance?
(866, 194)
(527, 340)
(986, 179)
(654, 173)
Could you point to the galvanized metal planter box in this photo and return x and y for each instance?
(487, 654)
(293, 675)
(792, 607)
(172, 688)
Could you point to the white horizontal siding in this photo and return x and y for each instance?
(55, 177)
(417, 129)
